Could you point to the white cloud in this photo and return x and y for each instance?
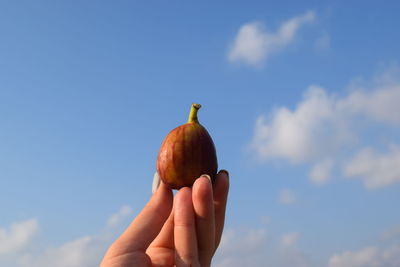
(83, 252)
(243, 247)
(326, 126)
(289, 239)
(287, 197)
(252, 247)
(18, 236)
(362, 258)
(312, 130)
(253, 44)
(375, 169)
(321, 172)
(368, 257)
(121, 215)
(86, 251)
(251, 239)
(380, 104)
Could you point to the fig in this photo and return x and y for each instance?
(186, 153)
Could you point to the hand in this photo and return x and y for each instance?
(181, 231)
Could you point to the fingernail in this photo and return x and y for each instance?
(156, 182)
(225, 171)
(206, 176)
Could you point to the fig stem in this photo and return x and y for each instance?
(193, 113)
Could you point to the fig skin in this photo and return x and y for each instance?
(186, 153)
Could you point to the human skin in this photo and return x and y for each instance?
(180, 231)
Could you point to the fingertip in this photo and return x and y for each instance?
(207, 177)
(221, 184)
(203, 181)
(225, 172)
(183, 195)
(202, 189)
(163, 196)
(183, 206)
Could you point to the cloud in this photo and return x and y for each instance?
(253, 247)
(289, 239)
(244, 247)
(293, 135)
(324, 128)
(321, 172)
(368, 257)
(287, 197)
(121, 215)
(363, 258)
(375, 169)
(82, 252)
(251, 239)
(18, 236)
(253, 44)
(86, 251)
(384, 253)
(380, 105)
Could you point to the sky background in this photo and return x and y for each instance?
(301, 99)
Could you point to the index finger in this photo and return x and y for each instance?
(145, 227)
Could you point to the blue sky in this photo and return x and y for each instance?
(301, 100)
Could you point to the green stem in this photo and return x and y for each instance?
(193, 113)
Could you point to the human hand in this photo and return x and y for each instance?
(181, 231)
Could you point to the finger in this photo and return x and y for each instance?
(147, 224)
(185, 229)
(204, 214)
(220, 190)
(165, 238)
(162, 251)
